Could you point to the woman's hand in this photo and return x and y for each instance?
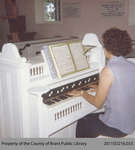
(76, 93)
(93, 88)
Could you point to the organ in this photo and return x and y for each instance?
(34, 86)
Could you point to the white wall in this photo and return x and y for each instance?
(3, 25)
(90, 20)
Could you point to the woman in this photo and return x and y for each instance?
(116, 91)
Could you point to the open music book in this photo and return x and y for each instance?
(79, 58)
(68, 57)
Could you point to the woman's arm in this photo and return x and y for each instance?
(105, 81)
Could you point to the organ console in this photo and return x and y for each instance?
(34, 99)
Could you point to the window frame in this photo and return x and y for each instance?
(39, 13)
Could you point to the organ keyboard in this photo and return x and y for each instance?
(35, 103)
(60, 93)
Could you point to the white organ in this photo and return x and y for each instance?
(33, 89)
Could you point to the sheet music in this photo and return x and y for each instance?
(77, 53)
(63, 59)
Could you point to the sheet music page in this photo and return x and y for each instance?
(63, 59)
(77, 53)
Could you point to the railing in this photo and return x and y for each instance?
(37, 71)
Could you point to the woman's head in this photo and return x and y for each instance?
(117, 42)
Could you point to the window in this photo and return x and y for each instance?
(47, 11)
